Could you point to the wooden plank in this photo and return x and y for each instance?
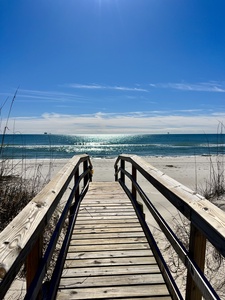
(109, 229)
(109, 247)
(109, 235)
(127, 240)
(108, 211)
(105, 208)
(113, 280)
(106, 197)
(120, 291)
(109, 221)
(117, 261)
(106, 194)
(94, 214)
(116, 217)
(107, 225)
(115, 270)
(105, 254)
(106, 205)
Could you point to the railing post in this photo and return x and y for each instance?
(122, 175)
(85, 166)
(197, 247)
(76, 178)
(116, 172)
(76, 197)
(134, 191)
(91, 173)
(134, 176)
(33, 261)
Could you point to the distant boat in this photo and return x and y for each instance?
(45, 133)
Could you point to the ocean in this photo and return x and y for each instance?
(36, 146)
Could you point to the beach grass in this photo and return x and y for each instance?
(16, 190)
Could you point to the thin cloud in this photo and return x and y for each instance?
(130, 122)
(105, 87)
(122, 88)
(213, 86)
(86, 86)
(24, 95)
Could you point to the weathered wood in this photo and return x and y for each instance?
(109, 235)
(107, 229)
(109, 208)
(197, 248)
(114, 292)
(109, 249)
(115, 217)
(107, 241)
(109, 221)
(108, 202)
(116, 261)
(104, 254)
(105, 208)
(94, 214)
(33, 261)
(101, 271)
(113, 280)
(108, 225)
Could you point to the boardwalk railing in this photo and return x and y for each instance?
(21, 241)
(207, 222)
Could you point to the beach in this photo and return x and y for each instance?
(181, 168)
(191, 171)
(188, 170)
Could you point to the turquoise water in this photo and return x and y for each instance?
(65, 146)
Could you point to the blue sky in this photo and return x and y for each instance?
(112, 66)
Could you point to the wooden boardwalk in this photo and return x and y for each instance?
(109, 256)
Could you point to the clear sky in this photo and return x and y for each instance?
(112, 66)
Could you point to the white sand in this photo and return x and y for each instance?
(188, 170)
(191, 171)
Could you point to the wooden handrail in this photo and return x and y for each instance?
(19, 240)
(207, 221)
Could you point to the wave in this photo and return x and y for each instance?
(62, 146)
